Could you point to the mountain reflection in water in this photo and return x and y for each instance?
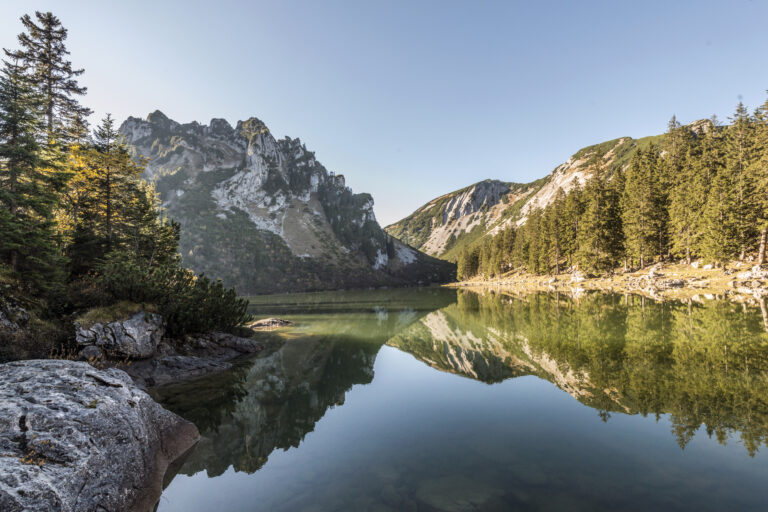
(695, 363)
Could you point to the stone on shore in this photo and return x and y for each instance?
(136, 337)
(76, 438)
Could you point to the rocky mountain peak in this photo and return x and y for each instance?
(221, 127)
(160, 119)
(264, 214)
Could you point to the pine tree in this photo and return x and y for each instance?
(599, 236)
(643, 215)
(44, 53)
(720, 227)
(106, 206)
(554, 230)
(689, 192)
(573, 208)
(740, 149)
(759, 176)
(27, 186)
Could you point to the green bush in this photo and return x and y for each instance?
(188, 303)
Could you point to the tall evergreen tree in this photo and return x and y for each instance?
(599, 237)
(107, 208)
(27, 187)
(689, 192)
(740, 150)
(573, 208)
(44, 53)
(643, 215)
(759, 176)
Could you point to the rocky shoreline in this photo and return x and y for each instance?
(75, 438)
(136, 346)
(85, 435)
(674, 281)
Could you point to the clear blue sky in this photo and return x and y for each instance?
(412, 99)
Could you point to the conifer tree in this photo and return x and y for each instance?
(720, 227)
(106, 203)
(44, 53)
(573, 208)
(27, 188)
(599, 236)
(739, 152)
(642, 207)
(689, 192)
(759, 176)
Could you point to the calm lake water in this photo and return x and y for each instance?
(438, 400)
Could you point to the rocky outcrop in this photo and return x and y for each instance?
(264, 215)
(136, 337)
(13, 318)
(74, 438)
(192, 357)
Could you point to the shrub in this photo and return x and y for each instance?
(188, 303)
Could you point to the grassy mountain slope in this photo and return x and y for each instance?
(460, 219)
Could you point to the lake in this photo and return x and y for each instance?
(444, 400)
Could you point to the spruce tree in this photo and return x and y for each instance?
(106, 206)
(573, 208)
(720, 227)
(643, 215)
(599, 236)
(740, 152)
(27, 186)
(688, 194)
(759, 176)
(44, 54)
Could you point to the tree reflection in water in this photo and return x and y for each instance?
(700, 363)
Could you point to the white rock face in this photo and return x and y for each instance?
(76, 438)
(222, 183)
(492, 206)
(269, 180)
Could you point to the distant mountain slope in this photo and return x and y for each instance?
(445, 225)
(264, 215)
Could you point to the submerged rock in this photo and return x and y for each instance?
(76, 438)
(269, 323)
(136, 337)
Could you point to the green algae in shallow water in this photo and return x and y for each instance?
(399, 401)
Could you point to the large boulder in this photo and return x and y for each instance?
(136, 337)
(74, 438)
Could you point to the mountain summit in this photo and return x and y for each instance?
(264, 215)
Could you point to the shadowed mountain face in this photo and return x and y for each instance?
(264, 215)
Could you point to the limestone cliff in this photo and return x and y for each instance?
(264, 215)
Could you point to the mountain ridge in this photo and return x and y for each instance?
(446, 238)
(264, 215)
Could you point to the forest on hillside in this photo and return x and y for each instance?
(701, 192)
(79, 227)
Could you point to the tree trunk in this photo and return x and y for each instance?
(764, 311)
(109, 212)
(761, 253)
(688, 255)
